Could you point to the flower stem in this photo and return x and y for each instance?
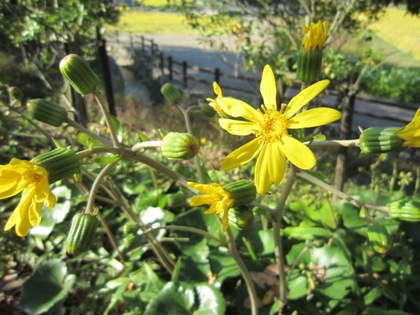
(145, 145)
(95, 187)
(96, 137)
(108, 120)
(279, 254)
(339, 193)
(334, 143)
(244, 271)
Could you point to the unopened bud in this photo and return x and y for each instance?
(405, 210)
(81, 234)
(380, 140)
(47, 112)
(79, 74)
(179, 146)
(171, 93)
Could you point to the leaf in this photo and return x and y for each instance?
(297, 285)
(173, 299)
(304, 233)
(87, 141)
(211, 301)
(48, 285)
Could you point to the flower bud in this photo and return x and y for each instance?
(79, 74)
(176, 200)
(171, 94)
(380, 140)
(405, 210)
(207, 110)
(59, 163)
(242, 217)
(179, 146)
(243, 192)
(378, 237)
(81, 234)
(47, 112)
(309, 65)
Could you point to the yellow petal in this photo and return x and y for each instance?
(237, 108)
(225, 220)
(298, 153)
(203, 200)
(242, 155)
(268, 88)
(217, 89)
(270, 167)
(304, 97)
(237, 127)
(314, 117)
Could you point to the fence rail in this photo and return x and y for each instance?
(183, 73)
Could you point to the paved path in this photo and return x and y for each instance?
(189, 48)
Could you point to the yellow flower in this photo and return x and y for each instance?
(214, 102)
(214, 195)
(32, 179)
(273, 143)
(315, 35)
(411, 132)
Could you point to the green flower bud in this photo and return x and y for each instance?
(380, 140)
(79, 74)
(243, 192)
(171, 94)
(309, 65)
(378, 237)
(179, 146)
(81, 234)
(47, 112)
(207, 110)
(405, 210)
(176, 200)
(59, 163)
(242, 217)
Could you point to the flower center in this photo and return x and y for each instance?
(273, 126)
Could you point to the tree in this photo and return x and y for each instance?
(35, 32)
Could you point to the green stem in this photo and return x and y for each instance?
(334, 143)
(108, 120)
(185, 113)
(145, 145)
(95, 186)
(244, 271)
(279, 254)
(339, 193)
(110, 235)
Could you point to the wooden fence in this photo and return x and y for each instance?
(182, 73)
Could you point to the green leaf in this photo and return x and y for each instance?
(304, 233)
(87, 141)
(48, 286)
(211, 301)
(173, 299)
(297, 285)
(104, 160)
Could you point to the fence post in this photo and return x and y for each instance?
(184, 74)
(162, 63)
(349, 100)
(107, 77)
(171, 77)
(142, 44)
(131, 41)
(217, 75)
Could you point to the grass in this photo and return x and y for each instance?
(144, 22)
(400, 30)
